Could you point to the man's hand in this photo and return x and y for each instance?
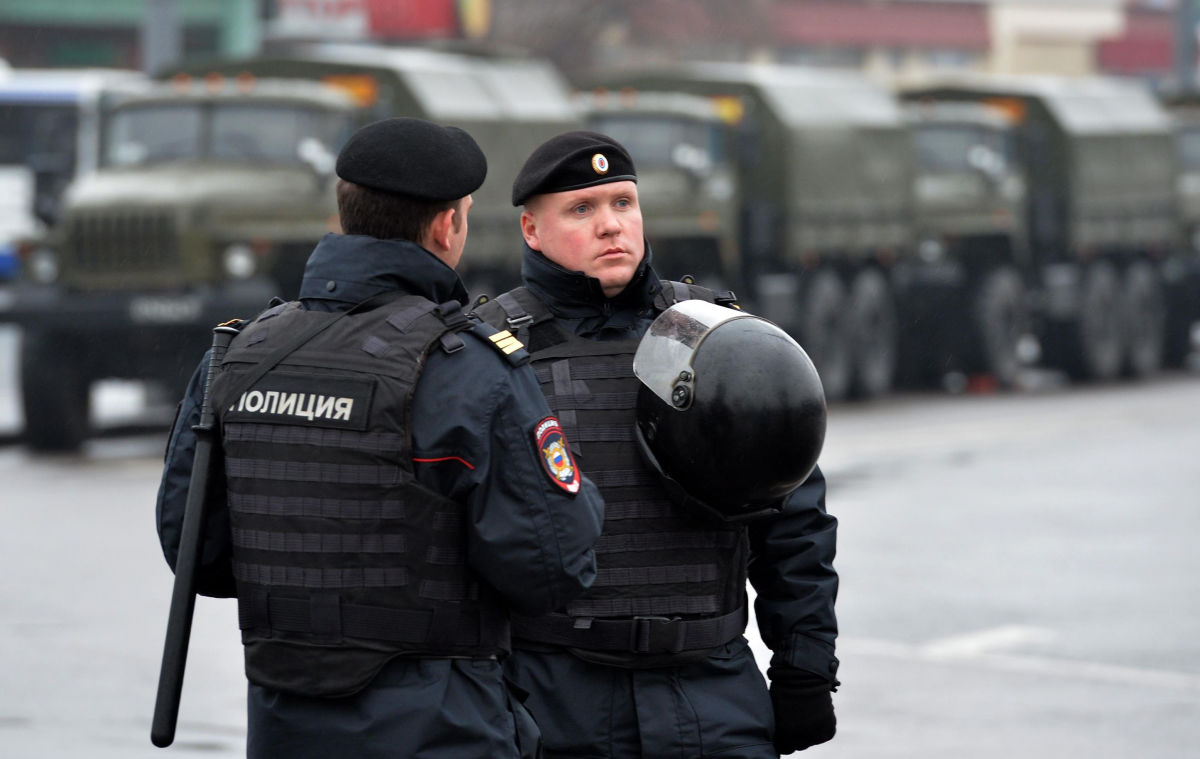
(803, 709)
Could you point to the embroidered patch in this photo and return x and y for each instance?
(555, 454)
(301, 399)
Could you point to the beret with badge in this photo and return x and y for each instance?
(413, 157)
(572, 161)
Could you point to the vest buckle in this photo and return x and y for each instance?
(656, 635)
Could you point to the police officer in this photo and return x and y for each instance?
(392, 480)
(651, 661)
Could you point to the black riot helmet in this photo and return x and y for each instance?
(730, 411)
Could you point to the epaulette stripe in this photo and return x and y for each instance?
(505, 341)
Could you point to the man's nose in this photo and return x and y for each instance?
(608, 221)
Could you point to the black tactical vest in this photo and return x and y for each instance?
(342, 559)
(667, 581)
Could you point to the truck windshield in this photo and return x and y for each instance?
(261, 133)
(664, 142)
(1188, 148)
(955, 148)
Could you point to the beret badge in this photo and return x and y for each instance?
(599, 164)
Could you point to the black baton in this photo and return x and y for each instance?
(183, 595)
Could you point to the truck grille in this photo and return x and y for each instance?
(130, 241)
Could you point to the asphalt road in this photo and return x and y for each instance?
(1018, 580)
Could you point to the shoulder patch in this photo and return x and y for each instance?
(555, 454)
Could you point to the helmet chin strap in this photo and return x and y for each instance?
(680, 497)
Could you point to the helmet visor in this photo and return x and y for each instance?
(664, 356)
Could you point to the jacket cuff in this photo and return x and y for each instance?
(803, 652)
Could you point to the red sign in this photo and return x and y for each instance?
(412, 18)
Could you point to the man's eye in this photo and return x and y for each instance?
(581, 209)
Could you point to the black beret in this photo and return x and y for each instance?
(413, 157)
(572, 161)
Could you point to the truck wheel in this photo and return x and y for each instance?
(1000, 317)
(824, 332)
(1145, 319)
(54, 395)
(873, 326)
(1096, 347)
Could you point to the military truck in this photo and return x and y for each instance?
(48, 136)
(213, 190)
(1100, 211)
(824, 178)
(687, 180)
(206, 200)
(1182, 273)
(509, 102)
(971, 240)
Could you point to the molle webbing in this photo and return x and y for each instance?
(654, 560)
(335, 542)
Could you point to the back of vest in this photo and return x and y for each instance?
(653, 558)
(342, 559)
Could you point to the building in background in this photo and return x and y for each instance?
(108, 33)
(887, 37)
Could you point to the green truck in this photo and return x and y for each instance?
(1183, 272)
(213, 189)
(509, 102)
(1098, 156)
(968, 228)
(206, 200)
(823, 173)
(971, 241)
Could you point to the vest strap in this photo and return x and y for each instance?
(321, 615)
(639, 635)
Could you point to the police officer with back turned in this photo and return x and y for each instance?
(651, 660)
(390, 481)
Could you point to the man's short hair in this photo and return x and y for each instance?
(385, 215)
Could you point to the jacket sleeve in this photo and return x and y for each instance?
(791, 569)
(526, 534)
(215, 569)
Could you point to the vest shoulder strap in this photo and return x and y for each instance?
(673, 292)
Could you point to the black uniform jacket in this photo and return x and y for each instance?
(474, 418)
(791, 560)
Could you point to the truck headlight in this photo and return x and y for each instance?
(931, 250)
(239, 261)
(43, 265)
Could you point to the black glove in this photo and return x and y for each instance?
(803, 705)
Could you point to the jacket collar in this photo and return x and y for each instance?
(575, 295)
(352, 268)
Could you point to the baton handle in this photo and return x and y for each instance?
(183, 593)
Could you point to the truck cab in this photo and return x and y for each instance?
(206, 199)
(969, 197)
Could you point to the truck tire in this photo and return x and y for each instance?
(1095, 348)
(999, 319)
(824, 332)
(1145, 319)
(54, 395)
(873, 329)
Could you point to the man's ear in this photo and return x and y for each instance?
(529, 230)
(440, 230)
